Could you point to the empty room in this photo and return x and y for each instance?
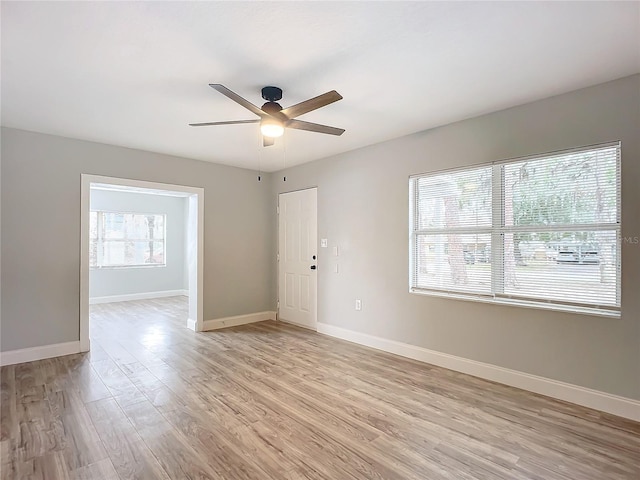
(320, 240)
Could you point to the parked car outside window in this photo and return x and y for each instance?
(580, 254)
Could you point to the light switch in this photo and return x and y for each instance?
(324, 243)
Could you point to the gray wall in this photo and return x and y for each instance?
(105, 282)
(363, 208)
(41, 193)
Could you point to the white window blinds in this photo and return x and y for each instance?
(543, 229)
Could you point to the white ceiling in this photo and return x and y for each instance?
(135, 74)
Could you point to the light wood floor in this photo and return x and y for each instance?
(154, 400)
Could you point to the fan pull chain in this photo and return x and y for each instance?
(260, 147)
(284, 155)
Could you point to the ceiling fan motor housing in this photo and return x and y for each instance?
(272, 108)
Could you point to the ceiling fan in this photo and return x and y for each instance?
(273, 118)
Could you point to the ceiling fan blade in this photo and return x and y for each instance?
(312, 104)
(268, 141)
(231, 122)
(314, 127)
(238, 99)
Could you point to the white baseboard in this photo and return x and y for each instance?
(23, 355)
(605, 402)
(238, 320)
(138, 296)
(192, 324)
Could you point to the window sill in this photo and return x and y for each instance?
(580, 310)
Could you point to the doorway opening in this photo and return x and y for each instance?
(118, 239)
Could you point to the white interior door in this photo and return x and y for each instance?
(297, 257)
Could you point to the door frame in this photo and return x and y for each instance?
(315, 312)
(195, 247)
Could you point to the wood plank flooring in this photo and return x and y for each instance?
(153, 400)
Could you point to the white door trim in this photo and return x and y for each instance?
(195, 265)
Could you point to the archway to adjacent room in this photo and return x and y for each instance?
(193, 234)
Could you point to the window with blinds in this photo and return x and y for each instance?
(538, 231)
(126, 239)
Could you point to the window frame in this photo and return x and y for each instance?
(497, 231)
(100, 241)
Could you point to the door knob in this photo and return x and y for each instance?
(313, 267)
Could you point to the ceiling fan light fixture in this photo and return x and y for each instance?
(273, 118)
(271, 128)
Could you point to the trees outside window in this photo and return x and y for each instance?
(544, 229)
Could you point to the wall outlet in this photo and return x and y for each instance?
(324, 243)
(358, 304)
